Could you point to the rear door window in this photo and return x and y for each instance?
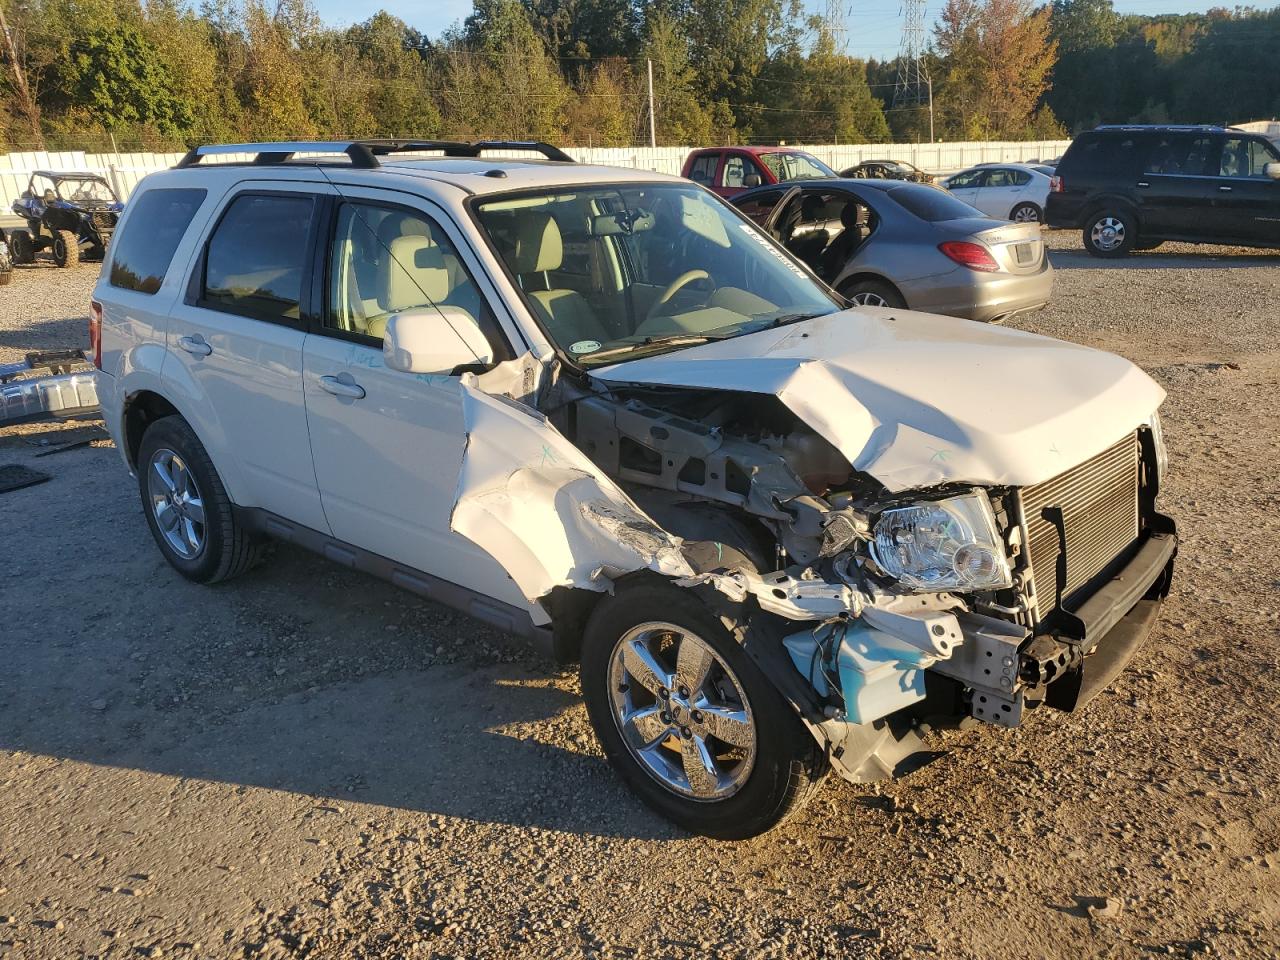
(255, 260)
(1102, 155)
(1180, 155)
(142, 251)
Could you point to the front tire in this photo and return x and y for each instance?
(66, 249)
(1110, 234)
(687, 718)
(187, 507)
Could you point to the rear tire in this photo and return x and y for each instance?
(21, 247)
(1110, 233)
(187, 507)
(1026, 213)
(776, 766)
(874, 293)
(66, 249)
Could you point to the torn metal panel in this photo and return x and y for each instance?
(915, 400)
(538, 506)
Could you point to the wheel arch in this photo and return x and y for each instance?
(143, 406)
(1111, 201)
(1039, 208)
(864, 274)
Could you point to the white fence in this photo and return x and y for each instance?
(124, 170)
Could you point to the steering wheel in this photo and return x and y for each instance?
(674, 287)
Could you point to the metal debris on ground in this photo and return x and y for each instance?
(67, 391)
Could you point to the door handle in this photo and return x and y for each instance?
(1143, 183)
(195, 345)
(1224, 189)
(342, 386)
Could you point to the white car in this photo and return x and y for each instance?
(1006, 191)
(603, 410)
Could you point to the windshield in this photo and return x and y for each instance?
(78, 191)
(933, 205)
(795, 166)
(616, 272)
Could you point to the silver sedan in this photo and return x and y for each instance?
(895, 244)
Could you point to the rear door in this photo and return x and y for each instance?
(1245, 201)
(965, 186)
(1001, 191)
(704, 168)
(235, 343)
(1173, 193)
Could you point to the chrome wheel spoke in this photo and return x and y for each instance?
(727, 724)
(693, 662)
(194, 510)
(161, 467)
(644, 667)
(190, 536)
(699, 767)
(166, 517)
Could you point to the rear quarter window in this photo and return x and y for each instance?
(142, 251)
(1105, 155)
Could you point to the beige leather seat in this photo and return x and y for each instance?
(539, 248)
(414, 275)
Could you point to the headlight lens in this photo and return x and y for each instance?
(948, 544)
(1162, 454)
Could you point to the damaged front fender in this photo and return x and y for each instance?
(545, 512)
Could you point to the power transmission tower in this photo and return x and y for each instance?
(914, 85)
(837, 25)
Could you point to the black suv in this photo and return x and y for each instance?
(1133, 187)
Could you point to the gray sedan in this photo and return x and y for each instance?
(895, 244)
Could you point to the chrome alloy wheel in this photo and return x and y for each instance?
(176, 503)
(1107, 233)
(868, 299)
(681, 711)
(1026, 214)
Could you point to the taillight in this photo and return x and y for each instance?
(95, 332)
(972, 255)
(1055, 184)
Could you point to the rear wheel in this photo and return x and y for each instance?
(66, 249)
(21, 247)
(873, 293)
(1026, 213)
(187, 507)
(1110, 233)
(687, 718)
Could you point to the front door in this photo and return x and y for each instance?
(235, 344)
(966, 186)
(388, 445)
(1246, 202)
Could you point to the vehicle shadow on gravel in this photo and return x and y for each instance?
(45, 334)
(1162, 260)
(302, 677)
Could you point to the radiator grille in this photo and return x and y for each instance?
(1099, 503)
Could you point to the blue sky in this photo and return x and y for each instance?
(874, 25)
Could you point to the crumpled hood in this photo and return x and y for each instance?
(915, 399)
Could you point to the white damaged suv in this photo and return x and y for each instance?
(601, 409)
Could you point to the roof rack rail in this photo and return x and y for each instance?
(1165, 126)
(271, 153)
(459, 148)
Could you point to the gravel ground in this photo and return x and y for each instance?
(309, 763)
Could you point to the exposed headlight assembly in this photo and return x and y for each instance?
(950, 544)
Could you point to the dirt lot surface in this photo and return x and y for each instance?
(309, 763)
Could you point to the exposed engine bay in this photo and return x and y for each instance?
(871, 609)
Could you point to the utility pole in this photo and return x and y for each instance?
(931, 139)
(653, 124)
(20, 81)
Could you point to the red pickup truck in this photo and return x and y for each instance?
(730, 170)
